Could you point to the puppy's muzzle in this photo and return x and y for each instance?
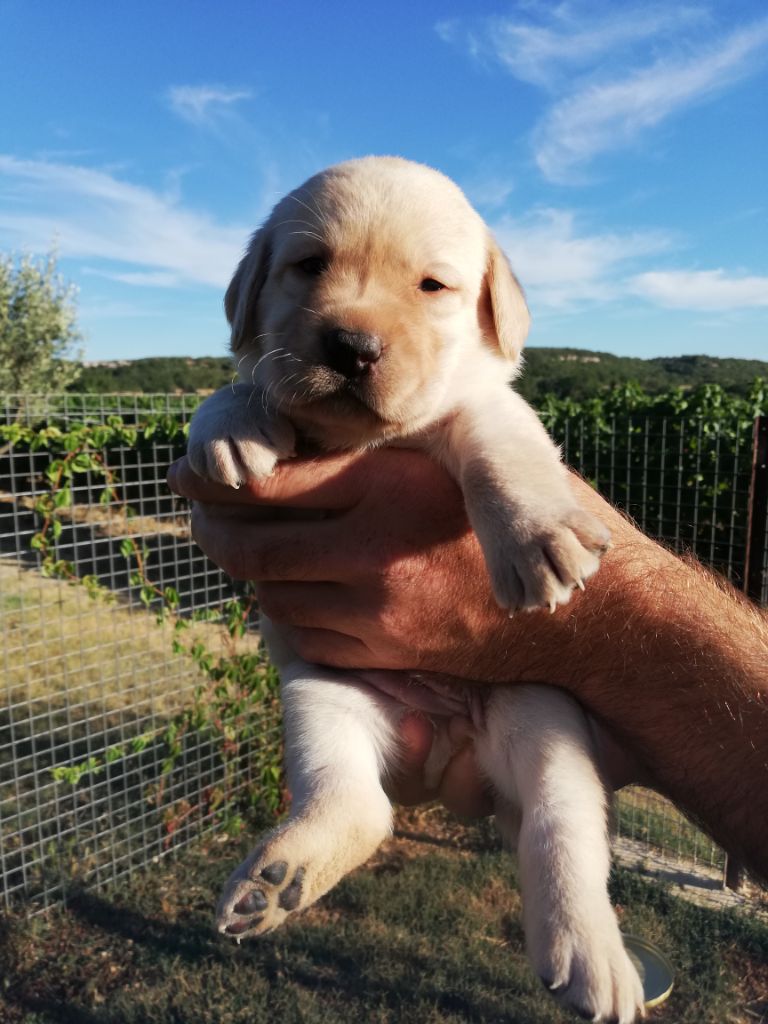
(350, 353)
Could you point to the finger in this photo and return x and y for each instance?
(316, 605)
(328, 647)
(274, 550)
(332, 482)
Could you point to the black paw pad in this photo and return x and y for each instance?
(253, 903)
(275, 873)
(291, 894)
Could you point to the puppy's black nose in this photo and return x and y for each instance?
(351, 353)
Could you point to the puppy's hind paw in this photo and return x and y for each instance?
(591, 973)
(299, 861)
(261, 893)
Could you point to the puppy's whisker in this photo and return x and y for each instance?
(308, 234)
(315, 212)
(301, 202)
(237, 372)
(306, 223)
(294, 396)
(266, 334)
(276, 353)
(314, 312)
(265, 396)
(285, 381)
(272, 352)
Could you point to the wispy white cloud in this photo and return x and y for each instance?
(563, 266)
(701, 289)
(204, 104)
(611, 72)
(139, 278)
(605, 116)
(572, 40)
(92, 214)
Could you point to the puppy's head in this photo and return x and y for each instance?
(363, 293)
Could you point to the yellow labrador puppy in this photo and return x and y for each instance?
(375, 307)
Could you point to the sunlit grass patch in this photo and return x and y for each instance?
(57, 639)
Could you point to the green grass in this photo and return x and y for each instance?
(425, 933)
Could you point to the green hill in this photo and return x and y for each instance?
(579, 373)
(564, 372)
(157, 375)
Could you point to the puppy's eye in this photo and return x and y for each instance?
(429, 284)
(312, 266)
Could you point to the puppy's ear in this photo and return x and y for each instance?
(506, 313)
(243, 292)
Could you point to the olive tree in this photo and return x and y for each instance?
(38, 328)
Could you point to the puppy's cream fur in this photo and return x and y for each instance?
(390, 254)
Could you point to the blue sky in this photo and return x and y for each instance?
(619, 150)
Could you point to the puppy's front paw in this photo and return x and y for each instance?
(540, 567)
(232, 460)
(231, 441)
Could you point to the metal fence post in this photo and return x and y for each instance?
(755, 569)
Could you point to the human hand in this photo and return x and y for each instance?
(381, 570)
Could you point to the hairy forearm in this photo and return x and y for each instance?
(676, 665)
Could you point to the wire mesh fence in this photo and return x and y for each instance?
(684, 482)
(92, 683)
(103, 766)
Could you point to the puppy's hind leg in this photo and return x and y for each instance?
(537, 752)
(339, 736)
